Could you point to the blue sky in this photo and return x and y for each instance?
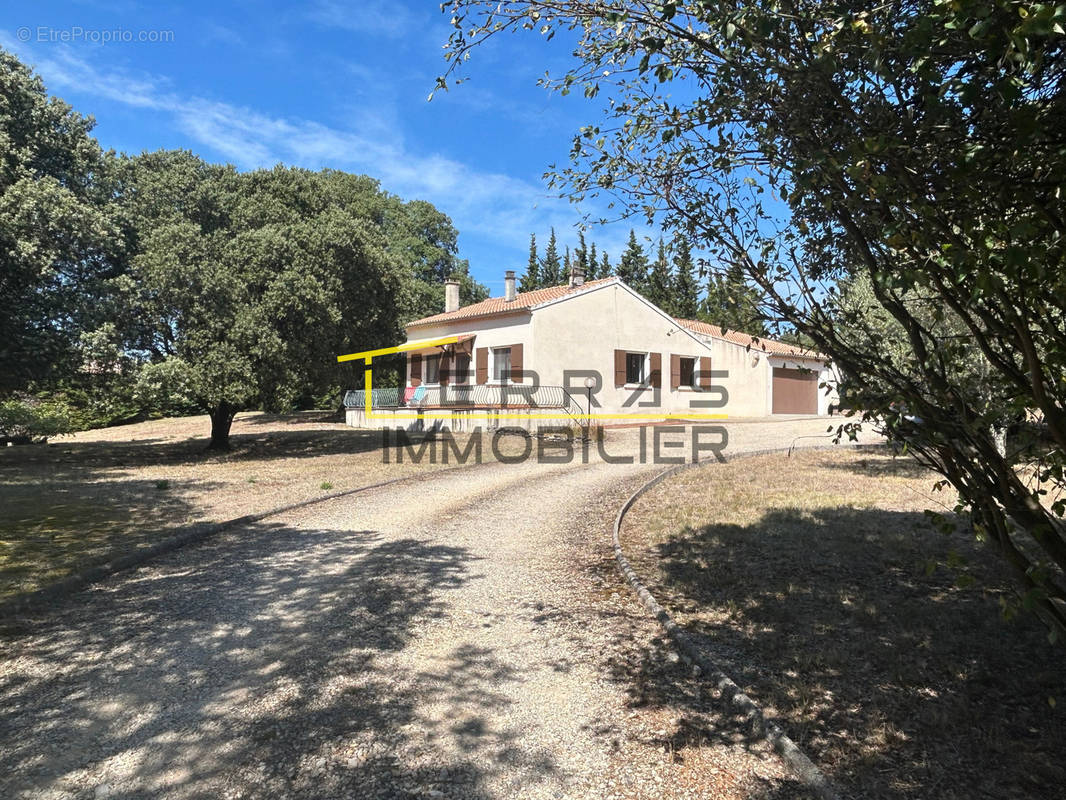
(327, 84)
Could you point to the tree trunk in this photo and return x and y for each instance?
(221, 420)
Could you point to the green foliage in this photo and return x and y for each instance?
(660, 285)
(55, 228)
(551, 269)
(163, 388)
(917, 146)
(686, 296)
(163, 284)
(530, 280)
(581, 254)
(633, 266)
(249, 285)
(27, 419)
(424, 242)
(732, 303)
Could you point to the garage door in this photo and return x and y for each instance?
(795, 391)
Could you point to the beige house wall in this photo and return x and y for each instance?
(491, 332)
(582, 332)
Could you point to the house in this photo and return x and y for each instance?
(789, 379)
(562, 352)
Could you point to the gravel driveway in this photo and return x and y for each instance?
(460, 635)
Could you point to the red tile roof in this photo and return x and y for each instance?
(771, 346)
(523, 301)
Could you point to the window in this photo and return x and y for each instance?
(635, 367)
(432, 369)
(501, 364)
(462, 369)
(688, 371)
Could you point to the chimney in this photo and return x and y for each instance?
(508, 285)
(577, 277)
(451, 295)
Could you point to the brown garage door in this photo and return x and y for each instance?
(795, 391)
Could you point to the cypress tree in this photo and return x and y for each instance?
(633, 267)
(686, 290)
(660, 281)
(531, 278)
(732, 303)
(581, 253)
(550, 268)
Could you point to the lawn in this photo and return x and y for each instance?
(85, 498)
(818, 583)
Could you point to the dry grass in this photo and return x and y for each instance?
(809, 580)
(88, 497)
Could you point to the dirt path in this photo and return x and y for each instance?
(463, 636)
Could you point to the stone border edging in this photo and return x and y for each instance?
(53, 592)
(764, 728)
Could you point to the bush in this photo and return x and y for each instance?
(26, 420)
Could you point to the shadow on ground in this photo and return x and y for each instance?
(684, 717)
(77, 518)
(230, 668)
(71, 505)
(894, 679)
(877, 465)
(245, 446)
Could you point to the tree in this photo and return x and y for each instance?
(581, 254)
(56, 231)
(916, 145)
(250, 284)
(686, 290)
(425, 242)
(592, 265)
(551, 270)
(633, 266)
(531, 278)
(732, 303)
(659, 287)
(605, 266)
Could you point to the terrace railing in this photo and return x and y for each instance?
(387, 397)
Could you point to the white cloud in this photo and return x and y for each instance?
(373, 17)
(494, 211)
(494, 205)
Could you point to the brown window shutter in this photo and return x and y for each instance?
(445, 368)
(416, 369)
(705, 372)
(675, 370)
(516, 363)
(656, 377)
(619, 367)
(482, 366)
